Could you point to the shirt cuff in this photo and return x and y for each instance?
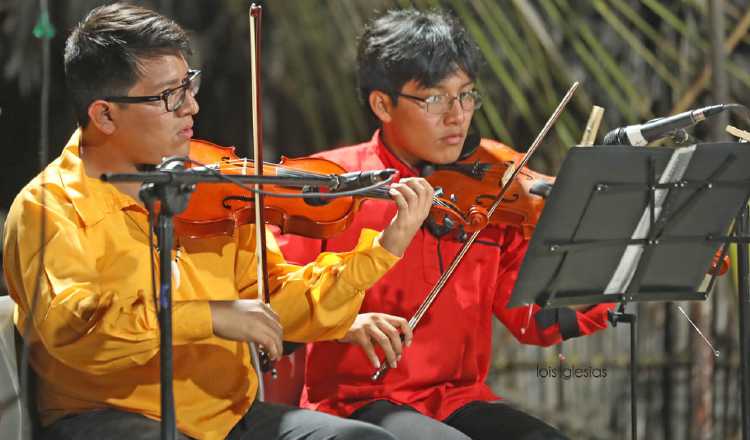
(371, 261)
(191, 322)
(596, 317)
(369, 241)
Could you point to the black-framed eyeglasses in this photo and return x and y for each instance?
(173, 98)
(441, 104)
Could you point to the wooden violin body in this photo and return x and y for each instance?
(474, 181)
(219, 208)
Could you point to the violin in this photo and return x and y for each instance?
(217, 209)
(473, 181)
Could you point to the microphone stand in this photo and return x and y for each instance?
(172, 190)
(173, 199)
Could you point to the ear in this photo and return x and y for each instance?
(101, 115)
(381, 105)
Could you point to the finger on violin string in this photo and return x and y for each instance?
(408, 189)
(397, 196)
(422, 188)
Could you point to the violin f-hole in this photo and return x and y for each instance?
(314, 201)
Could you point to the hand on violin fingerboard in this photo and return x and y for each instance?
(413, 196)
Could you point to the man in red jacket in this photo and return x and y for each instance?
(416, 72)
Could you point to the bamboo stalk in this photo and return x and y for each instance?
(592, 126)
(736, 132)
(699, 85)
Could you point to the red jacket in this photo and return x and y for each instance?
(447, 363)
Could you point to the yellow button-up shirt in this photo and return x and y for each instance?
(95, 335)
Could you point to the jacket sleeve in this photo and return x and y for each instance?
(317, 301)
(296, 248)
(532, 324)
(80, 324)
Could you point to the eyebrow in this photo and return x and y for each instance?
(466, 84)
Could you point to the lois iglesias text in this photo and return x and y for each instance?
(572, 372)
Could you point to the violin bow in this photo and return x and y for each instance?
(507, 180)
(257, 141)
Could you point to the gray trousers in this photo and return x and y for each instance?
(475, 421)
(262, 421)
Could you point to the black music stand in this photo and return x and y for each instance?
(630, 224)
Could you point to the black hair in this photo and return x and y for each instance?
(104, 51)
(405, 45)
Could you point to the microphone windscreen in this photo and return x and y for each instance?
(615, 137)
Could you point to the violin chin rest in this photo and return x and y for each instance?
(541, 188)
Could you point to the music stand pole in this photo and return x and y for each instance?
(632, 321)
(741, 228)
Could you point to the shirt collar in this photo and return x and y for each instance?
(91, 198)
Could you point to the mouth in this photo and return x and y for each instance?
(186, 132)
(453, 139)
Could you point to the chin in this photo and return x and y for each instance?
(448, 156)
(441, 161)
(183, 149)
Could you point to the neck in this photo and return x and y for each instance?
(387, 138)
(100, 156)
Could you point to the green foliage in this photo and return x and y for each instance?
(637, 59)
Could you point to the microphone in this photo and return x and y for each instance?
(641, 134)
(360, 179)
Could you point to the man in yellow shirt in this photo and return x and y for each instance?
(83, 275)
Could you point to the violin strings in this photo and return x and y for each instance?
(289, 171)
(379, 192)
(383, 193)
(490, 170)
(242, 166)
(287, 195)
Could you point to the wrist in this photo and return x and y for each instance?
(393, 241)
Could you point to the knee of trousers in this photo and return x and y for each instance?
(545, 435)
(363, 431)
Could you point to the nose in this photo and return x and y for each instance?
(456, 114)
(189, 107)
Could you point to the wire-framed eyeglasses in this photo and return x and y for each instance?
(441, 104)
(173, 98)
